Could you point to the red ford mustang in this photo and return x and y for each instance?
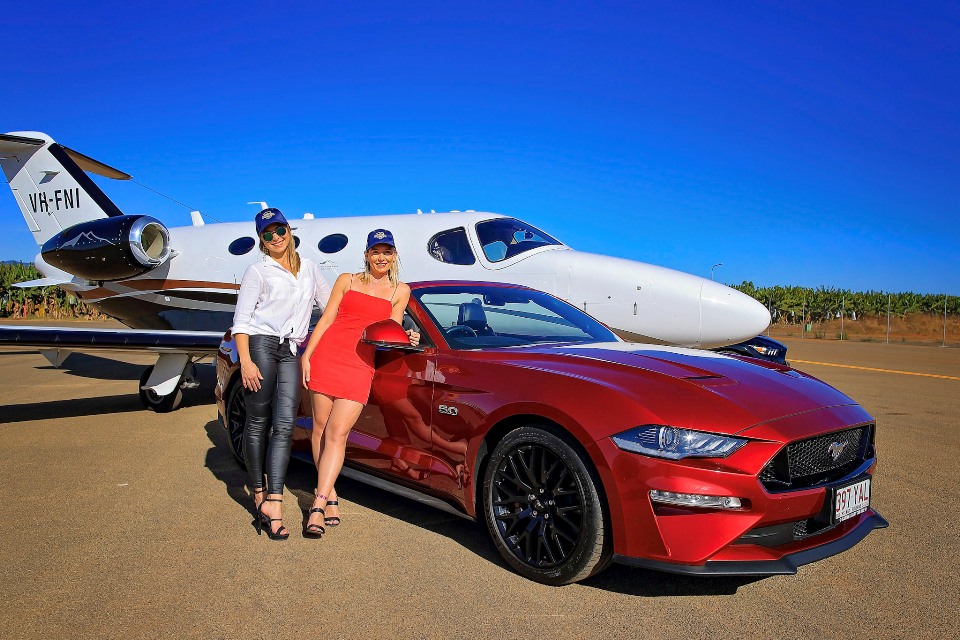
(577, 449)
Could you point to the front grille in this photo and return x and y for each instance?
(812, 462)
(780, 534)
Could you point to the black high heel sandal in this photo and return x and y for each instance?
(264, 519)
(332, 521)
(315, 530)
(259, 520)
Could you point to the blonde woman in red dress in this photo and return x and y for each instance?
(338, 368)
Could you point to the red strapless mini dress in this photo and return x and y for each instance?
(341, 366)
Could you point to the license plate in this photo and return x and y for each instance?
(851, 500)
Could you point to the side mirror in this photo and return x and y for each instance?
(388, 333)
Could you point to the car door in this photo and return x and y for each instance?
(455, 416)
(392, 435)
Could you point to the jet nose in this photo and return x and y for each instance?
(728, 316)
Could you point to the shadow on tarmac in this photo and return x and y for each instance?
(85, 365)
(301, 479)
(70, 408)
(94, 367)
(225, 468)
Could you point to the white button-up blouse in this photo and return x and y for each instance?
(274, 302)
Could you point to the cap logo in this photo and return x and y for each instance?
(267, 215)
(379, 235)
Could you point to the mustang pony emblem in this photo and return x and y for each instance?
(836, 449)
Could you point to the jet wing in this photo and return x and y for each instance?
(87, 339)
(159, 388)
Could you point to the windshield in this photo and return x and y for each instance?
(478, 316)
(504, 238)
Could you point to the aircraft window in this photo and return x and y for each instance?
(332, 243)
(504, 238)
(296, 242)
(452, 247)
(240, 246)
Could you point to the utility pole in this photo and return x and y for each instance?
(719, 264)
(945, 296)
(843, 312)
(888, 318)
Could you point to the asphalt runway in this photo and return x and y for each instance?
(122, 523)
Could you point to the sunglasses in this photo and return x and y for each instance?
(268, 235)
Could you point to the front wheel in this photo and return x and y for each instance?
(542, 507)
(236, 419)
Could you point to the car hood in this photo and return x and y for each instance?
(689, 387)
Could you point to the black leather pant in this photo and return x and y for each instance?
(275, 403)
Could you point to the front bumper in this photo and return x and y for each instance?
(774, 532)
(785, 565)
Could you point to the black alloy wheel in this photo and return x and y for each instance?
(542, 507)
(155, 402)
(236, 419)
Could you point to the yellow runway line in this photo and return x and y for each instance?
(850, 366)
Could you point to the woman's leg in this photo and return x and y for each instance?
(322, 405)
(285, 404)
(259, 406)
(343, 416)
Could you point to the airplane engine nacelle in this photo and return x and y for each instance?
(112, 248)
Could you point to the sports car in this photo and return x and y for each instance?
(576, 449)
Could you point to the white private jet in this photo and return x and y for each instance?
(176, 287)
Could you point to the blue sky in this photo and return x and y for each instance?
(808, 143)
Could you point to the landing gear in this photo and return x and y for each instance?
(156, 402)
(165, 403)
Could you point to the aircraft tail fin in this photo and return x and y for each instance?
(50, 185)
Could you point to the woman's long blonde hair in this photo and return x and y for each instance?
(290, 254)
(394, 272)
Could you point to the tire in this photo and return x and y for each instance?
(542, 507)
(154, 402)
(236, 420)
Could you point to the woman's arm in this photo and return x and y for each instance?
(322, 290)
(399, 306)
(340, 287)
(247, 299)
(249, 371)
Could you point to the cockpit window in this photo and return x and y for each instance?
(452, 247)
(504, 238)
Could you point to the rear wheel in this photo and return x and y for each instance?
(542, 507)
(236, 419)
(154, 401)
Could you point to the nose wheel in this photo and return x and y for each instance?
(153, 401)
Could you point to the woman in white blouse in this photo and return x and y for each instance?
(271, 320)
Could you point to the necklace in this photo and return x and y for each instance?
(373, 280)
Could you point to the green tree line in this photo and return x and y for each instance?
(45, 302)
(796, 304)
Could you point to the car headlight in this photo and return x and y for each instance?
(675, 443)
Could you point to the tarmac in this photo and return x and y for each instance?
(123, 523)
